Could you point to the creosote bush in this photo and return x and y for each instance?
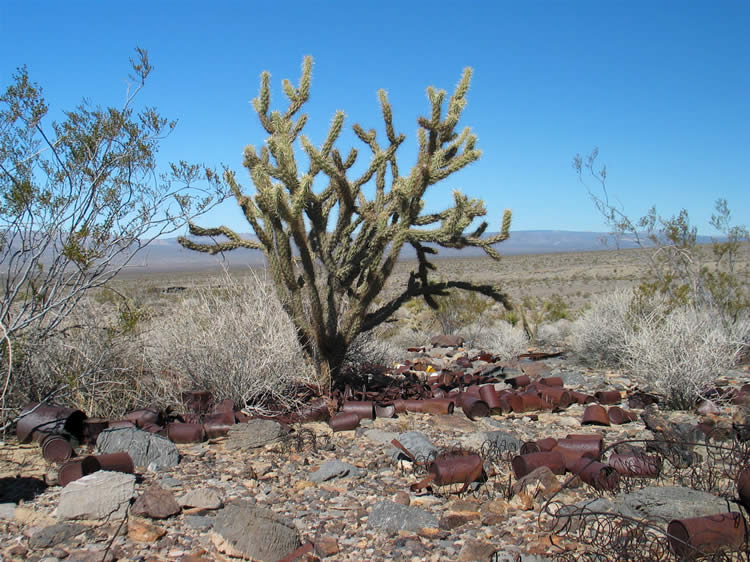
(235, 341)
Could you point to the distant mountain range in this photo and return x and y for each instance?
(166, 254)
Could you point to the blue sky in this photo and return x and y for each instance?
(662, 88)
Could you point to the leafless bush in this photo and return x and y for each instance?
(373, 349)
(600, 334)
(502, 339)
(681, 353)
(235, 341)
(555, 333)
(92, 362)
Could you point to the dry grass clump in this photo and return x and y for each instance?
(500, 338)
(599, 335)
(93, 362)
(681, 354)
(235, 341)
(677, 351)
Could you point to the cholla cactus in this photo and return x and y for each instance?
(331, 253)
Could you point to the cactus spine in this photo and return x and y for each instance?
(331, 253)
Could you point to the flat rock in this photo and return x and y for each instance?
(47, 537)
(393, 517)
(247, 531)
(662, 504)
(476, 550)
(140, 530)
(494, 440)
(416, 443)
(143, 447)
(336, 469)
(156, 503)
(447, 341)
(202, 498)
(96, 496)
(7, 511)
(199, 522)
(253, 434)
(380, 436)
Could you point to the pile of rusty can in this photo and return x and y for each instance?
(60, 430)
(476, 394)
(580, 455)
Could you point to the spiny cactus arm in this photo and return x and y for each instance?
(235, 241)
(298, 96)
(416, 289)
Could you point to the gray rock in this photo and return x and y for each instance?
(574, 378)
(255, 532)
(336, 469)
(508, 556)
(7, 511)
(393, 517)
(662, 504)
(96, 496)
(143, 447)
(169, 483)
(253, 434)
(199, 522)
(380, 436)
(416, 443)
(492, 440)
(203, 498)
(53, 535)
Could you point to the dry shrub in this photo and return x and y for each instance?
(92, 362)
(555, 333)
(235, 341)
(677, 351)
(599, 335)
(371, 348)
(501, 338)
(681, 354)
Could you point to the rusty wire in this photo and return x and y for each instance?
(303, 440)
(603, 535)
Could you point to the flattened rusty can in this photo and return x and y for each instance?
(144, 416)
(55, 448)
(75, 469)
(185, 432)
(596, 474)
(635, 465)
(618, 416)
(116, 462)
(364, 409)
(474, 407)
(37, 421)
(608, 396)
(524, 464)
(594, 414)
(695, 536)
(344, 421)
